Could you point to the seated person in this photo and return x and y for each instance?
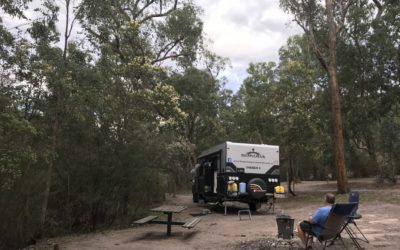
(318, 218)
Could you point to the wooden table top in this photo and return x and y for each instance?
(169, 209)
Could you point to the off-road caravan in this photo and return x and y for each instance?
(236, 172)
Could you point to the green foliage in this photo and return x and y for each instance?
(120, 129)
(108, 120)
(16, 152)
(184, 28)
(255, 105)
(14, 7)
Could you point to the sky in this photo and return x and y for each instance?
(242, 31)
(245, 32)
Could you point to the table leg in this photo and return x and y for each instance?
(273, 205)
(225, 207)
(169, 222)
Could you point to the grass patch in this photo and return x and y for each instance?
(383, 196)
(379, 196)
(304, 197)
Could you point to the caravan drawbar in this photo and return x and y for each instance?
(236, 172)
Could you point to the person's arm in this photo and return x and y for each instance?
(310, 217)
(314, 217)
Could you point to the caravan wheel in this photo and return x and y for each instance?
(254, 206)
(195, 195)
(257, 188)
(195, 198)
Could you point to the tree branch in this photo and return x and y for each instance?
(73, 21)
(160, 14)
(343, 14)
(102, 39)
(316, 49)
(378, 4)
(134, 10)
(148, 3)
(167, 48)
(167, 57)
(117, 48)
(310, 35)
(66, 36)
(380, 7)
(127, 17)
(357, 144)
(93, 33)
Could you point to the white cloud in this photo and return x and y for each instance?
(243, 31)
(246, 31)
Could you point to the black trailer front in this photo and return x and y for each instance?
(236, 172)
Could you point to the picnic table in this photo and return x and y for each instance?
(169, 210)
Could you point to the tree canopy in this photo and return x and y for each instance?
(95, 128)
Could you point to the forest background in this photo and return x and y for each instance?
(94, 131)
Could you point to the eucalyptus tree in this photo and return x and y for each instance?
(369, 72)
(205, 103)
(254, 104)
(202, 99)
(385, 47)
(98, 111)
(323, 23)
(23, 74)
(280, 104)
(134, 39)
(303, 131)
(133, 42)
(143, 32)
(15, 7)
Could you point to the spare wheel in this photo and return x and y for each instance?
(257, 188)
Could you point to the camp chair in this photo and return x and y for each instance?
(354, 196)
(334, 225)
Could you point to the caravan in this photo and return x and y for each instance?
(236, 172)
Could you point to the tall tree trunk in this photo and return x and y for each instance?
(372, 156)
(338, 144)
(290, 177)
(49, 172)
(190, 127)
(58, 93)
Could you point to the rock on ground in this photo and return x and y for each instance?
(269, 243)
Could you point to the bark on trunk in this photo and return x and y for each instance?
(290, 177)
(372, 155)
(338, 144)
(55, 126)
(49, 173)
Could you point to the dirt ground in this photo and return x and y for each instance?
(379, 206)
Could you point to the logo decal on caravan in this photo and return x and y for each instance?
(256, 188)
(253, 154)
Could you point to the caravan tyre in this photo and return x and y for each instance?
(253, 207)
(195, 198)
(195, 194)
(257, 188)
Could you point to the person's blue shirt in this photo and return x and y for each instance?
(319, 217)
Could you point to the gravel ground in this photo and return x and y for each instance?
(269, 243)
(379, 206)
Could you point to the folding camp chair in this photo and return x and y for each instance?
(334, 225)
(354, 196)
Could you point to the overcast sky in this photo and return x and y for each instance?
(245, 31)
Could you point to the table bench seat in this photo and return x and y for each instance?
(192, 223)
(168, 210)
(146, 219)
